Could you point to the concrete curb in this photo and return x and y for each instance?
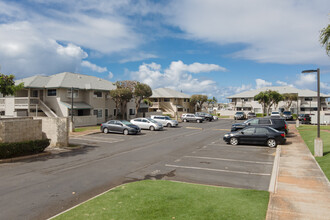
(15, 159)
(273, 179)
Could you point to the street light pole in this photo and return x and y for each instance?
(318, 144)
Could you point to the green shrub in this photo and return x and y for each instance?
(294, 116)
(260, 115)
(8, 150)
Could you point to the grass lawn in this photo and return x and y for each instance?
(172, 200)
(308, 133)
(80, 129)
(224, 116)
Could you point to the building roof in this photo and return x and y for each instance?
(280, 89)
(67, 80)
(168, 93)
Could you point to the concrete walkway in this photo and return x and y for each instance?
(302, 190)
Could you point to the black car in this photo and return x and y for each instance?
(287, 115)
(256, 135)
(304, 118)
(120, 126)
(239, 116)
(275, 122)
(205, 116)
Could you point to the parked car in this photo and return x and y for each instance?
(147, 123)
(275, 122)
(239, 116)
(205, 116)
(191, 117)
(275, 114)
(251, 115)
(120, 126)
(256, 135)
(304, 118)
(287, 115)
(165, 120)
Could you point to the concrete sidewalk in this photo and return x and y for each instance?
(302, 190)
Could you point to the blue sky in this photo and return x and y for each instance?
(211, 47)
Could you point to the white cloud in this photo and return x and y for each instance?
(24, 51)
(306, 80)
(110, 76)
(281, 83)
(93, 66)
(178, 76)
(280, 31)
(260, 83)
(138, 57)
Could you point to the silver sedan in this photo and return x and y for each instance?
(147, 123)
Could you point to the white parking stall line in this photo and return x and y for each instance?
(239, 146)
(244, 161)
(218, 170)
(103, 141)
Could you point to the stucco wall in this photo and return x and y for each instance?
(20, 129)
(56, 129)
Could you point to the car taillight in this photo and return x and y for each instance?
(304, 119)
(285, 126)
(283, 135)
(101, 125)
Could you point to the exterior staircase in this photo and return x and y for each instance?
(46, 109)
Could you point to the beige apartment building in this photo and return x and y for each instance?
(170, 102)
(52, 96)
(306, 104)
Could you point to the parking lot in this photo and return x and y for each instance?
(198, 155)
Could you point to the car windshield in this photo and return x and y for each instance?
(287, 113)
(167, 118)
(275, 113)
(126, 122)
(239, 113)
(152, 120)
(251, 113)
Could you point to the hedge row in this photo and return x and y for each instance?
(8, 150)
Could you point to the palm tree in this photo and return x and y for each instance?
(325, 39)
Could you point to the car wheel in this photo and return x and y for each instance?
(152, 128)
(184, 120)
(169, 125)
(233, 141)
(105, 130)
(198, 121)
(125, 132)
(271, 143)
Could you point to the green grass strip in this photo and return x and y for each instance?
(89, 128)
(172, 200)
(309, 133)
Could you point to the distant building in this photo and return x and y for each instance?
(307, 100)
(170, 102)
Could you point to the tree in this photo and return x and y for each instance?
(198, 100)
(115, 94)
(267, 99)
(7, 85)
(211, 101)
(121, 95)
(325, 39)
(289, 98)
(141, 92)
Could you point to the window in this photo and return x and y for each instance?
(35, 93)
(248, 131)
(97, 94)
(106, 113)
(184, 100)
(137, 119)
(145, 121)
(131, 111)
(264, 122)
(253, 121)
(51, 92)
(98, 113)
(244, 99)
(261, 131)
(155, 100)
(308, 99)
(167, 100)
(75, 93)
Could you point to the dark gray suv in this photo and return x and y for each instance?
(274, 122)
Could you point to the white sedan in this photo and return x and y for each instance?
(147, 123)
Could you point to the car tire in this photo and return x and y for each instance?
(271, 143)
(125, 132)
(169, 125)
(184, 120)
(105, 130)
(152, 128)
(198, 121)
(233, 141)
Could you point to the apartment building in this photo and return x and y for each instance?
(55, 95)
(171, 102)
(307, 100)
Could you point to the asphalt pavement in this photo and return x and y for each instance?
(42, 187)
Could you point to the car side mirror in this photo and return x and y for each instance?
(249, 123)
